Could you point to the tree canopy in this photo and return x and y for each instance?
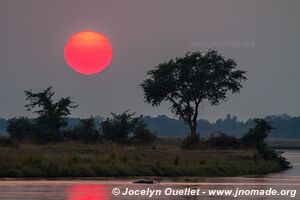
(187, 81)
(126, 128)
(51, 114)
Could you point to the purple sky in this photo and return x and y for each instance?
(262, 36)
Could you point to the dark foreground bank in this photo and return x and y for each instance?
(110, 160)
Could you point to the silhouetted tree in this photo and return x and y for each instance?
(142, 135)
(256, 136)
(119, 127)
(187, 81)
(20, 128)
(85, 132)
(51, 114)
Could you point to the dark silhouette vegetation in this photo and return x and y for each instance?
(187, 81)
(255, 138)
(287, 127)
(125, 128)
(51, 124)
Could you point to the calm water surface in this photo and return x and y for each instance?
(101, 190)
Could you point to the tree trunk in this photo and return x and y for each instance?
(193, 131)
(194, 136)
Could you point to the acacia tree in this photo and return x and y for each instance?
(187, 81)
(51, 114)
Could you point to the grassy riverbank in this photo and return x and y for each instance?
(109, 160)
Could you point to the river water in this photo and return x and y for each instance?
(284, 185)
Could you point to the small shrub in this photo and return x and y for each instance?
(142, 135)
(223, 141)
(191, 143)
(20, 128)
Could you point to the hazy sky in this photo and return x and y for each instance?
(262, 37)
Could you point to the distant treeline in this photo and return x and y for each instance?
(286, 127)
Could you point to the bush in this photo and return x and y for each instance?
(43, 134)
(125, 128)
(23, 129)
(191, 142)
(223, 141)
(271, 154)
(86, 132)
(20, 128)
(256, 136)
(142, 135)
(119, 127)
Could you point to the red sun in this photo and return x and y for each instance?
(88, 52)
